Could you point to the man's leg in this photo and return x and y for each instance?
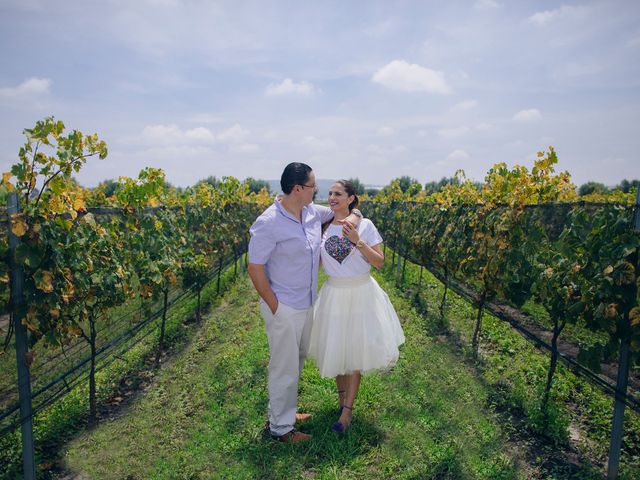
(284, 332)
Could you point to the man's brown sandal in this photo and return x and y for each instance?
(293, 436)
(300, 418)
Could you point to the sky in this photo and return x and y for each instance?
(366, 89)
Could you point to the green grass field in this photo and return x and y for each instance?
(204, 415)
(438, 414)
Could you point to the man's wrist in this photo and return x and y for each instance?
(357, 213)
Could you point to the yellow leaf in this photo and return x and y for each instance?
(29, 357)
(75, 331)
(634, 316)
(78, 204)
(5, 180)
(89, 219)
(611, 310)
(171, 277)
(29, 320)
(44, 280)
(19, 227)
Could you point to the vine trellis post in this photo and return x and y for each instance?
(24, 377)
(623, 376)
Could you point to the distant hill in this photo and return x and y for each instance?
(323, 187)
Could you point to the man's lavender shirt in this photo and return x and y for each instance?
(290, 251)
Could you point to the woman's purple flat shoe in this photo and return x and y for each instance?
(338, 426)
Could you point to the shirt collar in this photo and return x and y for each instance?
(286, 213)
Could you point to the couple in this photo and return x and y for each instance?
(350, 328)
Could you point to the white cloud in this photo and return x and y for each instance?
(453, 132)
(29, 88)
(174, 135)
(318, 143)
(573, 69)
(545, 17)
(486, 4)
(205, 118)
(289, 87)
(163, 3)
(458, 156)
(380, 29)
(385, 131)
(400, 149)
(161, 133)
(464, 105)
(235, 134)
(375, 149)
(634, 42)
(409, 77)
(245, 148)
(531, 115)
(483, 127)
(200, 134)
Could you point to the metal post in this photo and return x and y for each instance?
(398, 261)
(636, 223)
(622, 381)
(618, 411)
(24, 377)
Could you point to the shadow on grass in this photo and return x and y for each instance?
(327, 451)
(544, 457)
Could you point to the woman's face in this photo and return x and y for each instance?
(338, 198)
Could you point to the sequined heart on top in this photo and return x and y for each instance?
(338, 247)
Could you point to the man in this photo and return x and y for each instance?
(284, 257)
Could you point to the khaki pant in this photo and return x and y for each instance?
(288, 332)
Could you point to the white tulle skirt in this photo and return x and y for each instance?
(355, 327)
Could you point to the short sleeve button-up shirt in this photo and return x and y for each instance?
(290, 251)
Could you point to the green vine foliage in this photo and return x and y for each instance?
(79, 265)
(607, 247)
(524, 234)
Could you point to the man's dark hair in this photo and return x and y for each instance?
(294, 174)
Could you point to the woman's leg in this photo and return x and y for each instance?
(341, 386)
(353, 384)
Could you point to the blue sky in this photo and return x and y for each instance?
(364, 89)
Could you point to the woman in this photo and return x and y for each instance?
(355, 328)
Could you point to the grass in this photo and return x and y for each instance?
(580, 414)
(204, 415)
(64, 419)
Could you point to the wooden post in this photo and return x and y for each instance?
(24, 377)
(622, 381)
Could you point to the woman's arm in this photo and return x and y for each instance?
(373, 254)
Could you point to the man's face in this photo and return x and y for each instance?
(309, 189)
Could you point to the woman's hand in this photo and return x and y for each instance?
(351, 232)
